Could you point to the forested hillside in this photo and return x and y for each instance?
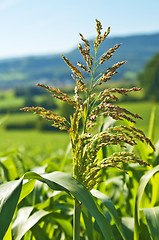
(137, 50)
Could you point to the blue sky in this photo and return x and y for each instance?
(33, 27)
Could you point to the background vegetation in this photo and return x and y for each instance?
(30, 143)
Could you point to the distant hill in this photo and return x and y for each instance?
(137, 50)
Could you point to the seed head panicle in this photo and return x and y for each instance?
(90, 106)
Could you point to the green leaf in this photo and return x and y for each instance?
(9, 196)
(128, 227)
(63, 181)
(9, 168)
(152, 218)
(5, 174)
(111, 209)
(155, 192)
(27, 188)
(19, 232)
(142, 185)
(21, 219)
(8, 235)
(88, 223)
(39, 233)
(66, 226)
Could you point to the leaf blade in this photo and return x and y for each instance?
(63, 181)
(9, 196)
(111, 209)
(152, 218)
(142, 185)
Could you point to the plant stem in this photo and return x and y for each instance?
(76, 221)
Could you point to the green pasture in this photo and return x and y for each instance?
(8, 100)
(36, 140)
(52, 139)
(58, 140)
(144, 109)
(17, 138)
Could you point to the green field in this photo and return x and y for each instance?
(33, 139)
(59, 140)
(144, 109)
(53, 140)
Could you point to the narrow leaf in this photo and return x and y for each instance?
(128, 227)
(9, 196)
(8, 235)
(63, 181)
(27, 188)
(39, 233)
(88, 223)
(111, 209)
(142, 185)
(20, 221)
(30, 222)
(152, 218)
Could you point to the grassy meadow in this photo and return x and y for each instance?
(35, 138)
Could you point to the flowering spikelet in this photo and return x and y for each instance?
(109, 53)
(58, 121)
(84, 40)
(80, 84)
(89, 106)
(110, 72)
(106, 76)
(73, 68)
(99, 39)
(116, 66)
(83, 67)
(86, 55)
(58, 94)
(121, 157)
(106, 33)
(122, 91)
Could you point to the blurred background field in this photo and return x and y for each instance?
(34, 56)
(26, 129)
(33, 36)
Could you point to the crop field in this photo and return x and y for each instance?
(144, 109)
(59, 140)
(33, 139)
(25, 145)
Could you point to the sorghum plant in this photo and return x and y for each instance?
(90, 105)
(87, 143)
